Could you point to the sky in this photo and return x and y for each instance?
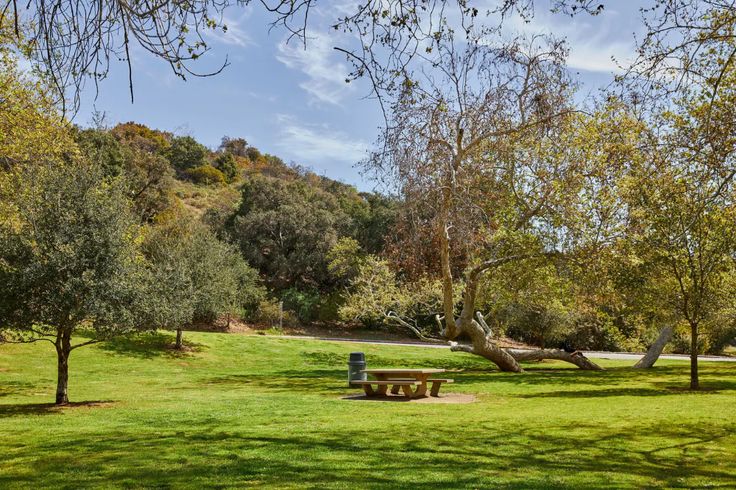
(293, 101)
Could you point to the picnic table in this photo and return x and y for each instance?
(413, 382)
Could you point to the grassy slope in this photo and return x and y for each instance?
(224, 416)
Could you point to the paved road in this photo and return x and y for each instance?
(592, 354)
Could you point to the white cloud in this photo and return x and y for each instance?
(319, 62)
(317, 142)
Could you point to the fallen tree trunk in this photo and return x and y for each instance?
(656, 348)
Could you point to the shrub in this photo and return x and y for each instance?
(206, 174)
(186, 153)
(721, 335)
(596, 331)
(304, 303)
(226, 164)
(269, 312)
(536, 325)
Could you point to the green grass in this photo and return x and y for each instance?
(252, 411)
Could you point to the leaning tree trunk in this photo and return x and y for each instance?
(576, 358)
(509, 360)
(178, 344)
(655, 350)
(63, 349)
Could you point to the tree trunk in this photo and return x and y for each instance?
(576, 358)
(178, 344)
(508, 359)
(694, 382)
(63, 349)
(655, 350)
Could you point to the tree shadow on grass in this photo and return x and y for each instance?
(22, 409)
(150, 345)
(621, 381)
(8, 388)
(559, 456)
(307, 381)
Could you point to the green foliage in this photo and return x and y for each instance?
(103, 149)
(31, 129)
(269, 312)
(207, 175)
(375, 296)
(225, 163)
(196, 276)
(285, 229)
(70, 258)
(185, 153)
(133, 152)
(234, 146)
(303, 303)
(345, 259)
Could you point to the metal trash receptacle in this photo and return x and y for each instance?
(356, 363)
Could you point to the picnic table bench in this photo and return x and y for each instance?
(413, 382)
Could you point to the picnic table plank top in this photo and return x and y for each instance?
(402, 371)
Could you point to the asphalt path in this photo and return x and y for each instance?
(591, 354)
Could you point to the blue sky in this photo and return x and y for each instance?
(294, 103)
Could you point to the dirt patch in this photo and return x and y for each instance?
(450, 398)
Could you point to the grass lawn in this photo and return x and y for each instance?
(249, 410)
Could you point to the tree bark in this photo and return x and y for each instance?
(694, 382)
(63, 349)
(655, 350)
(509, 360)
(576, 358)
(179, 343)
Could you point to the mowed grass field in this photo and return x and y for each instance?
(243, 411)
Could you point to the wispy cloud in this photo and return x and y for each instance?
(321, 65)
(315, 143)
(235, 34)
(597, 43)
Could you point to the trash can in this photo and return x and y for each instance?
(356, 363)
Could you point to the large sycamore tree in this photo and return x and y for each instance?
(478, 142)
(69, 266)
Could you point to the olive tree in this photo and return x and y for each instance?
(69, 263)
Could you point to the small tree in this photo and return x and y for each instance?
(68, 261)
(196, 276)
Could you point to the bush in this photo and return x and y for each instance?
(269, 312)
(721, 336)
(536, 325)
(186, 153)
(206, 174)
(304, 303)
(226, 164)
(596, 331)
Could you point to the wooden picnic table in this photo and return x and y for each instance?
(403, 379)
